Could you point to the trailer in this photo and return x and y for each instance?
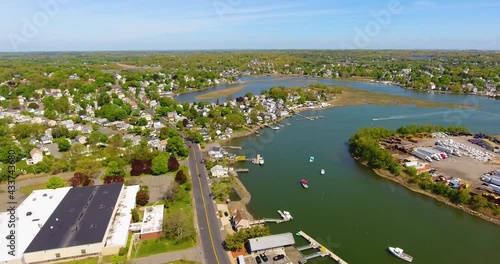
(421, 155)
(495, 188)
(445, 149)
(495, 180)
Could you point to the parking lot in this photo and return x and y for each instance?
(270, 256)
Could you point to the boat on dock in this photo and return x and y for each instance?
(261, 161)
(322, 172)
(398, 252)
(304, 184)
(288, 215)
(311, 159)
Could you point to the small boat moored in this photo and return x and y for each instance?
(304, 184)
(311, 159)
(398, 252)
(288, 215)
(322, 172)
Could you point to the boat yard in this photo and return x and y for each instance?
(468, 164)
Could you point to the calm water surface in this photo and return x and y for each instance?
(353, 212)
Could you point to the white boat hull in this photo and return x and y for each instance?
(400, 254)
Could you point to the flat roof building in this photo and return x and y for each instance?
(78, 225)
(270, 242)
(31, 216)
(118, 234)
(152, 222)
(70, 223)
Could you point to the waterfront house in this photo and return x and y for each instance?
(216, 153)
(219, 171)
(36, 156)
(241, 220)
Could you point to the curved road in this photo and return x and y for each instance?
(208, 223)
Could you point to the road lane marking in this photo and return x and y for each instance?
(206, 213)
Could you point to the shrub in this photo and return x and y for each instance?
(142, 197)
(180, 177)
(173, 164)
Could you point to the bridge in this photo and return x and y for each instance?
(323, 250)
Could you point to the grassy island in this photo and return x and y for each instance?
(220, 93)
(383, 150)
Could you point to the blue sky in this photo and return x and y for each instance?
(78, 25)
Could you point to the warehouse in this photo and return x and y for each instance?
(31, 214)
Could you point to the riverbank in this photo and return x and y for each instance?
(400, 180)
(220, 93)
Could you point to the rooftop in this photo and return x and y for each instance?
(33, 212)
(152, 221)
(268, 242)
(121, 223)
(81, 218)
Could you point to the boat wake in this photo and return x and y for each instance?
(406, 116)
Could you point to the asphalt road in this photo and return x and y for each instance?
(208, 223)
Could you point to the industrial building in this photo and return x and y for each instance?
(71, 223)
(260, 244)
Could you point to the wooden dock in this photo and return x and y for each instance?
(323, 250)
(242, 170)
(309, 117)
(233, 147)
(271, 220)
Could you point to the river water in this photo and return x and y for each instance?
(350, 210)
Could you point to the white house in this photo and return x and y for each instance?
(219, 171)
(36, 156)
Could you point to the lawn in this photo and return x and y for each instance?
(30, 188)
(153, 247)
(183, 262)
(82, 261)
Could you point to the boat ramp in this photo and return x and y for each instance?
(323, 251)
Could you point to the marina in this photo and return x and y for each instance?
(323, 251)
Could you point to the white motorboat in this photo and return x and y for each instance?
(322, 172)
(288, 215)
(261, 161)
(398, 252)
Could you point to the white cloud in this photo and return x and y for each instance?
(424, 3)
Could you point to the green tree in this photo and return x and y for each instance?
(55, 182)
(115, 169)
(63, 144)
(478, 202)
(89, 167)
(178, 226)
(160, 164)
(142, 197)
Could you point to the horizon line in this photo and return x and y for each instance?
(235, 49)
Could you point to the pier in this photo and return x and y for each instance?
(323, 250)
(309, 117)
(284, 218)
(242, 170)
(234, 147)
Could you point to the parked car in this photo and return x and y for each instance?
(258, 260)
(278, 257)
(226, 214)
(264, 257)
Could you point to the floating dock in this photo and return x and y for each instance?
(323, 250)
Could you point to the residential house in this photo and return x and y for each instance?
(241, 220)
(87, 129)
(155, 143)
(69, 124)
(171, 116)
(81, 139)
(36, 156)
(219, 171)
(46, 139)
(216, 153)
